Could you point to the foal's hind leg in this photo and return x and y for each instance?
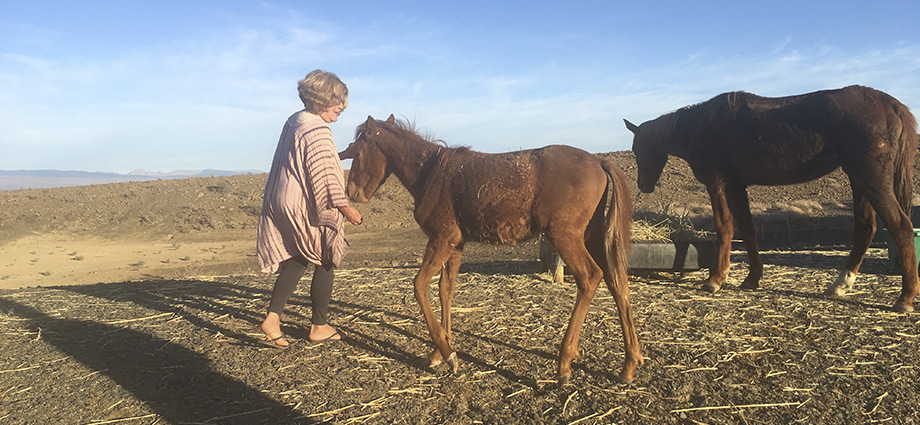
(446, 295)
(617, 281)
(587, 277)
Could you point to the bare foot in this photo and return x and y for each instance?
(325, 333)
(271, 327)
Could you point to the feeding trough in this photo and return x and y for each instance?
(672, 255)
(675, 256)
(894, 262)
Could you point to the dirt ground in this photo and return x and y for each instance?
(139, 303)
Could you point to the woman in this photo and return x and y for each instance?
(304, 204)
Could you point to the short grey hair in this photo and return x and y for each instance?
(320, 89)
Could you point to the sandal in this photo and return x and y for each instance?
(341, 335)
(273, 342)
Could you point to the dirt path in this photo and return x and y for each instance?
(64, 259)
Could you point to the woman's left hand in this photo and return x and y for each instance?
(351, 214)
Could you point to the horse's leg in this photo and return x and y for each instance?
(436, 253)
(587, 277)
(724, 231)
(740, 207)
(446, 295)
(863, 232)
(618, 284)
(558, 269)
(901, 230)
(551, 261)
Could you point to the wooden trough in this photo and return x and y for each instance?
(646, 256)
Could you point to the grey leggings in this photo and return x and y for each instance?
(320, 288)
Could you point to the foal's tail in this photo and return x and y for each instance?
(616, 240)
(904, 160)
(618, 222)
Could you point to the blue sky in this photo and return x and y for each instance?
(184, 85)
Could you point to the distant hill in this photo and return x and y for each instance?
(43, 179)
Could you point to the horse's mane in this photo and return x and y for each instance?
(662, 127)
(406, 128)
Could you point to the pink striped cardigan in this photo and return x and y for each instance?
(306, 185)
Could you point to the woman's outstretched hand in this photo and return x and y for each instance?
(351, 214)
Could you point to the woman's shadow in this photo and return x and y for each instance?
(177, 384)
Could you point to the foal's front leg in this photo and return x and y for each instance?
(446, 295)
(436, 253)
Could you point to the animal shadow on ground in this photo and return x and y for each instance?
(821, 258)
(198, 302)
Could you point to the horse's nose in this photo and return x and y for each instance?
(352, 192)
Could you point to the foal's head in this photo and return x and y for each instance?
(369, 168)
(650, 158)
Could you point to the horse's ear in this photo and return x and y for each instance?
(371, 123)
(632, 127)
(348, 153)
(391, 119)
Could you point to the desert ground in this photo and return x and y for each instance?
(139, 303)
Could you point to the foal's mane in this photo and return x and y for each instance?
(407, 130)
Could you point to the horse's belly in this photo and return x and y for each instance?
(791, 175)
(500, 231)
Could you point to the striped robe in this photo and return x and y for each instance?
(305, 187)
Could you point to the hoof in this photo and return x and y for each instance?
(623, 379)
(453, 363)
(835, 291)
(900, 307)
(841, 285)
(712, 288)
(434, 359)
(750, 285)
(563, 380)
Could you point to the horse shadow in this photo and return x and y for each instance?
(196, 301)
(382, 345)
(829, 258)
(173, 381)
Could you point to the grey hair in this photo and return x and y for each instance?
(320, 89)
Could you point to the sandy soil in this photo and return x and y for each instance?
(138, 303)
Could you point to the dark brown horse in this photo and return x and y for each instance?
(739, 139)
(466, 196)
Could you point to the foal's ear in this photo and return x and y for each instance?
(348, 153)
(370, 123)
(391, 119)
(632, 127)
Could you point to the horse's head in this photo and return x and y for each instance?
(649, 157)
(369, 165)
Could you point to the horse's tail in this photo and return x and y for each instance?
(904, 160)
(618, 222)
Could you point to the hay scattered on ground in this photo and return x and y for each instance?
(186, 351)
